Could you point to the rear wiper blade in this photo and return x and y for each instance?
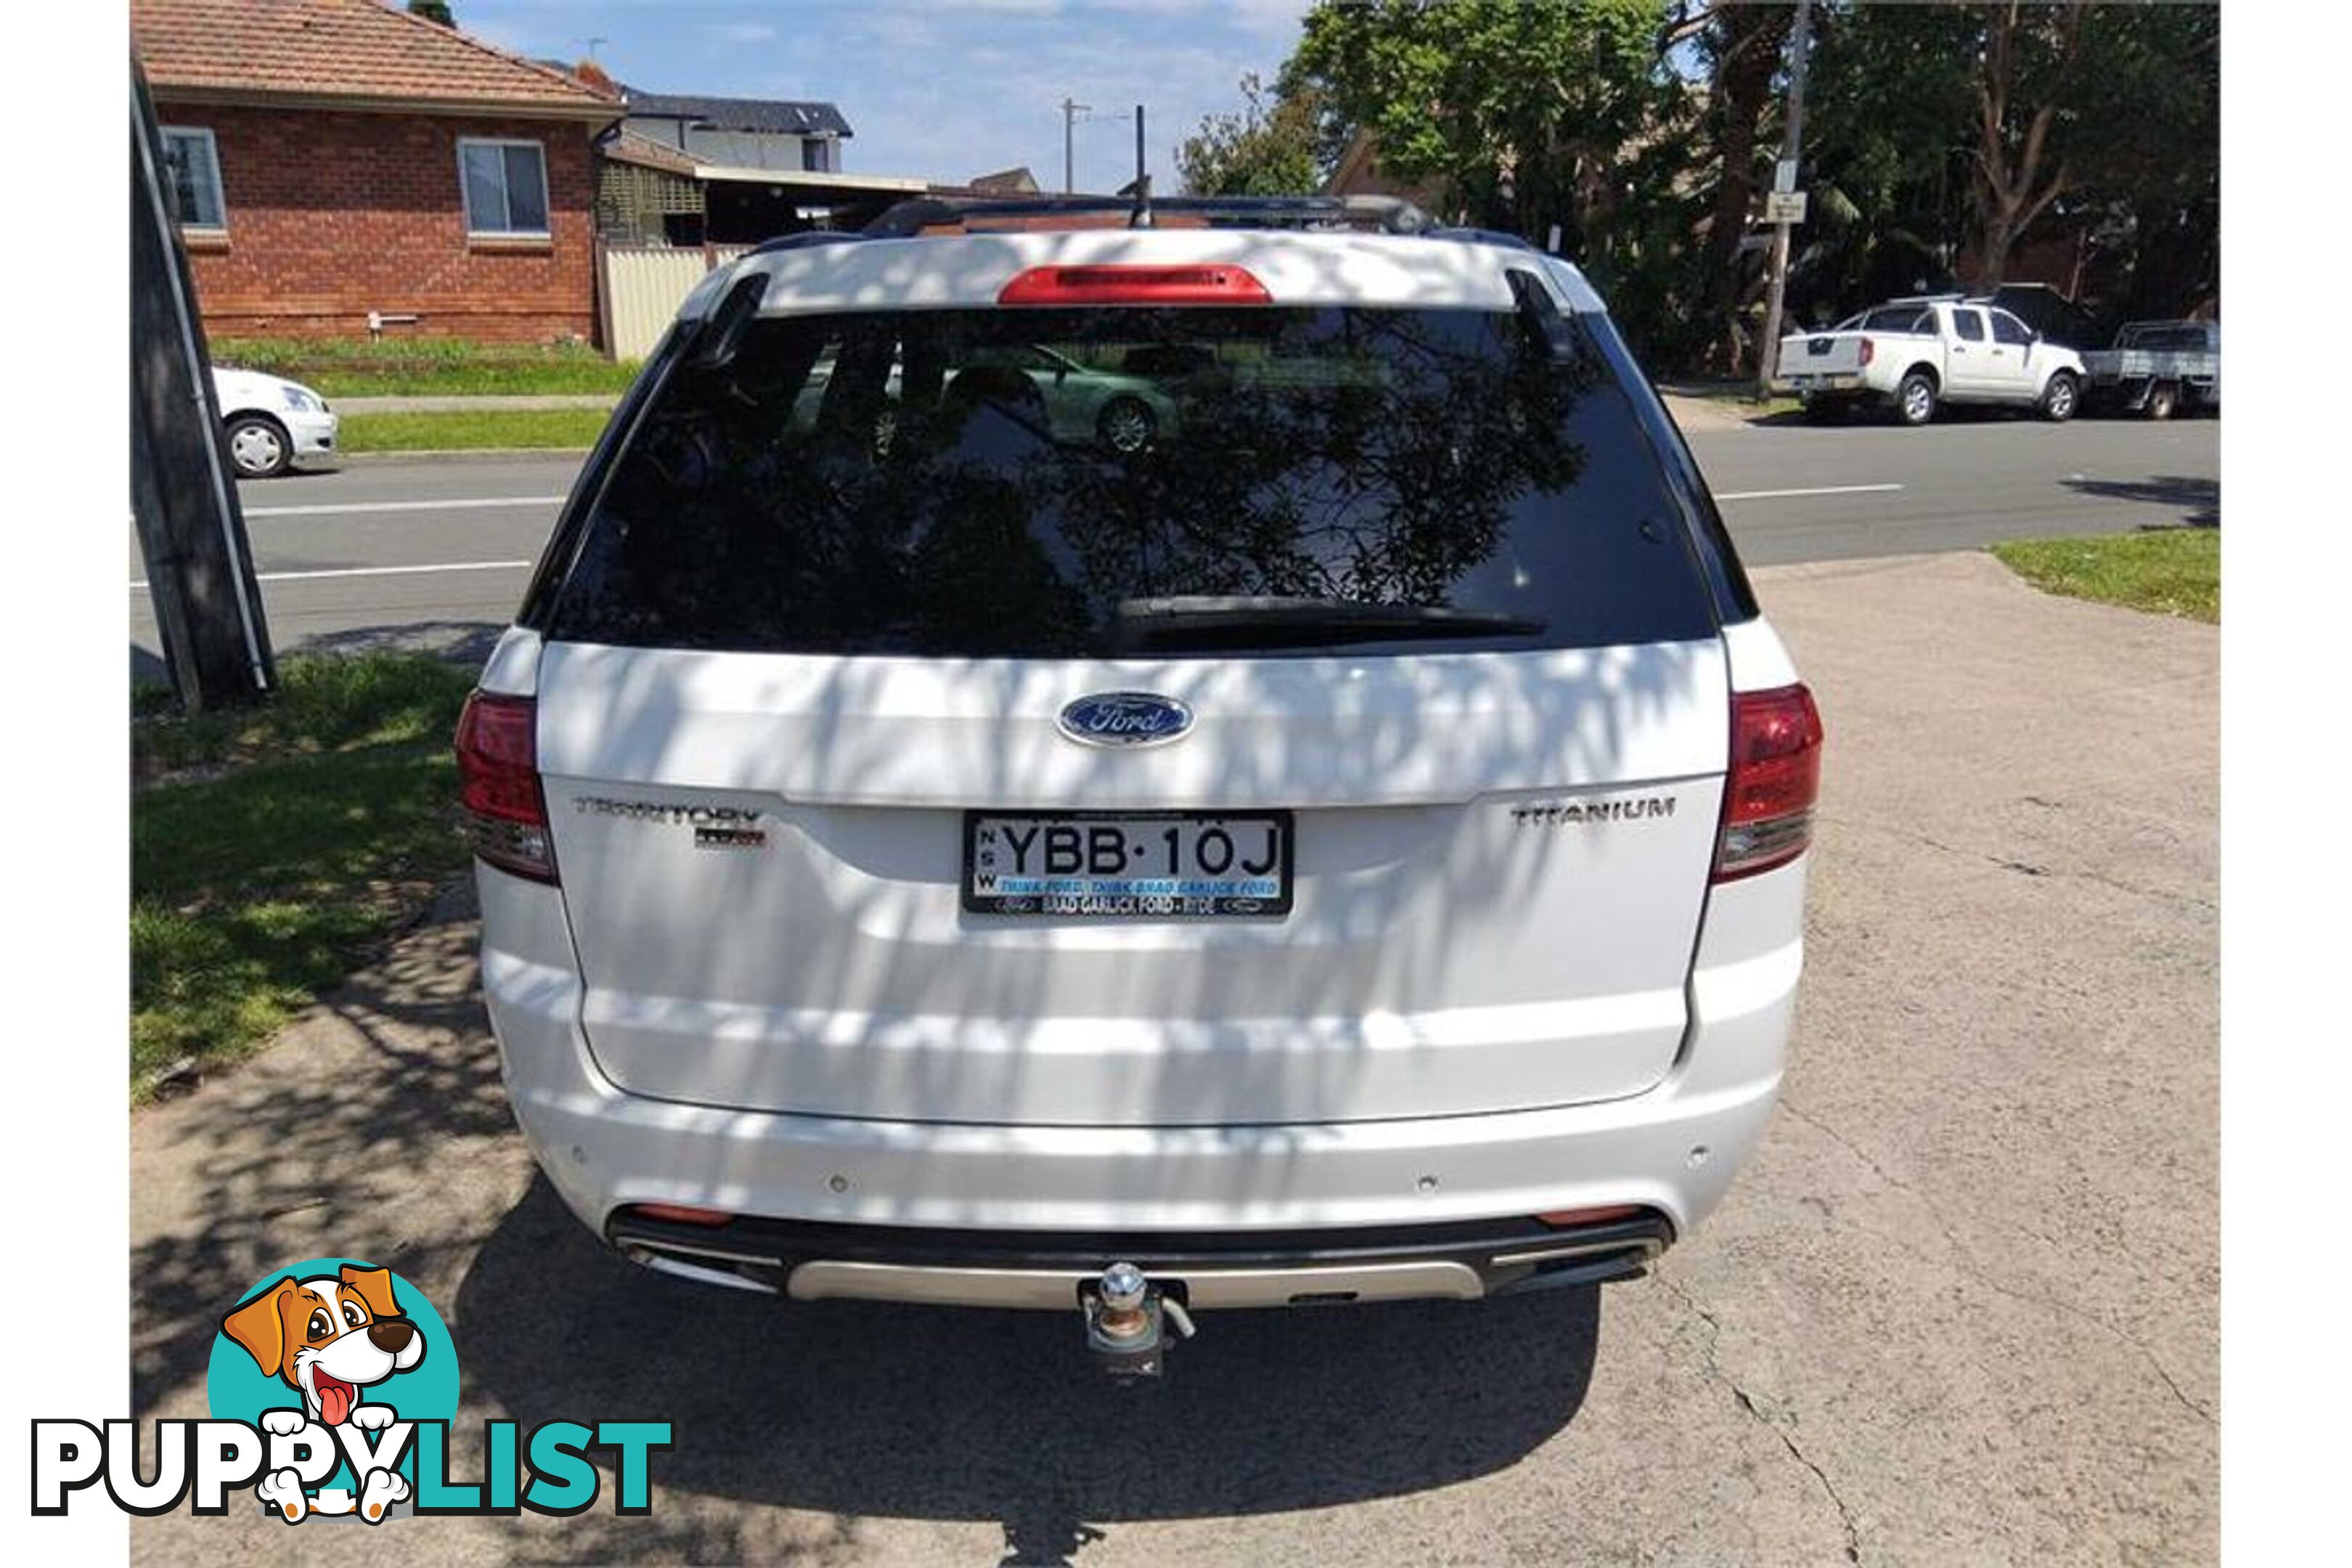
(1213, 617)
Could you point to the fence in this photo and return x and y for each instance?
(645, 284)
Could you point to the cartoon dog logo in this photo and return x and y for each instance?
(330, 1338)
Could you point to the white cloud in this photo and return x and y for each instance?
(1280, 17)
(740, 31)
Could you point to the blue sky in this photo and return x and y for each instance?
(941, 90)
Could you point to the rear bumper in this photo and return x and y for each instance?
(918, 1201)
(1816, 385)
(1210, 1271)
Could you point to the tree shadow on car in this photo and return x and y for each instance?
(869, 1410)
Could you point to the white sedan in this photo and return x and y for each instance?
(270, 423)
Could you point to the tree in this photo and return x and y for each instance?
(435, 11)
(1888, 127)
(1269, 148)
(1524, 112)
(1741, 46)
(1971, 127)
(1939, 138)
(2029, 58)
(1525, 115)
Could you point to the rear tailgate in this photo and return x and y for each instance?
(1808, 356)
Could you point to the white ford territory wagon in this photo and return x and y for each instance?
(1347, 846)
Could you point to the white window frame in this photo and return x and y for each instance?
(220, 197)
(546, 204)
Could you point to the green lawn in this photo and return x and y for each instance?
(2166, 571)
(425, 366)
(270, 850)
(469, 429)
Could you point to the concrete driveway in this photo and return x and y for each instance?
(1961, 1309)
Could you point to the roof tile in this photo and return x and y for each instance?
(339, 49)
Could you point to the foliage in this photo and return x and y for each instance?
(1525, 115)
(344, 367)
(433, 11)
(269, 849)
(320, 705)
(1943, 143)
(2164, 571)
(467, 430)
(1957, 134)
(1269, 148)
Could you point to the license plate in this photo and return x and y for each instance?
(1127, 865)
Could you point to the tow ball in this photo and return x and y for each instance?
(1129, 1320)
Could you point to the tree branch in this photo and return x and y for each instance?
(2059, 183)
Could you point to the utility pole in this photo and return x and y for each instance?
(1784, 183)
(1071, 110)
(1142, 218)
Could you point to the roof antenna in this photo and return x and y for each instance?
(1141, 216)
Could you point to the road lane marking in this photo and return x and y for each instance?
(524, 500)
(345, 506)
(1820, 490)
(383, 571)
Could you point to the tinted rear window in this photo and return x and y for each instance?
(1900, 318)
(1013, 483)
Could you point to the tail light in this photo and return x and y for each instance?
(1774, 775)
(1204, 285)
(1868, 350)
(497, 784)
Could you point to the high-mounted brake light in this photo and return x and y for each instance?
(1130, 285)
(1868, 349)
(1775, 776)
(497, 784)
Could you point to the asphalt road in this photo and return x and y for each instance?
(436, 553)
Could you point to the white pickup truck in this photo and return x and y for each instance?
(1915, 356)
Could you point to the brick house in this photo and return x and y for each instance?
(332, 161)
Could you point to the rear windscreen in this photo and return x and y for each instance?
(1092, 482)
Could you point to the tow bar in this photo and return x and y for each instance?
(1128, 1320)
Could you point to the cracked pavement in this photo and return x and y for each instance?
(1962, 1307)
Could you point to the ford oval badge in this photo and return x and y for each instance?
(1125, 718)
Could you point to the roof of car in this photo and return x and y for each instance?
(933, 270)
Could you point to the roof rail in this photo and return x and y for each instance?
(1387, 213)
(804, 240)
(1483, 237)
